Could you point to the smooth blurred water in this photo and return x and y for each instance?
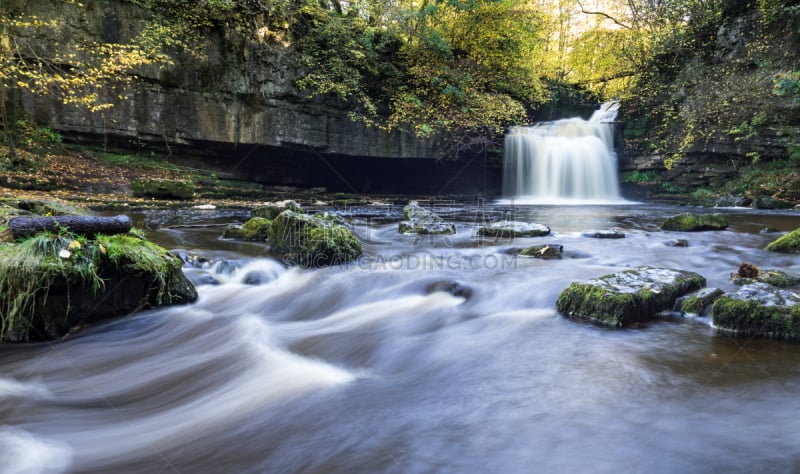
(368, 368)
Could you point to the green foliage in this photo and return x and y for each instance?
(640, 177)
(787, 84)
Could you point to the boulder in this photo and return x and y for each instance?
(256, 228)
(51, 284)
(629, 296)
(419, 220)
(547, 251)
(271, 210)
(312, 241)
(787, 243)
(695, 222)
(677, 243)
(699, 301)
(759, 309)
(772, 277)
(513, 229)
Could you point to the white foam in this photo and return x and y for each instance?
(23, 453)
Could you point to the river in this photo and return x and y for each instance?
(368, 368)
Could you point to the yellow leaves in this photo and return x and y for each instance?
(74, 245)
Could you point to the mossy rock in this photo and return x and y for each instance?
(699, 301)
(788, 243)
(163, 189)
(620, 299)
(695, 222)
(759, 309)
(419, 220)
(52, 284)
(513, 229)
(772, 277)
(547, 251)
(256, 228)
(271, 210)
(312, 241)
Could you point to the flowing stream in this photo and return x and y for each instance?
(372, 367)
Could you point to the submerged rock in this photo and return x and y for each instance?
(759, 309)
(50, 284)
(513, 229)
(452, 287)
(699, 301)
(788, 243)
(677, 243)
(605, 234)
(312, 241)
(419, 220)
(547, 251)
(271, 210)
(256, 228)
(629, 296)
(695, 222)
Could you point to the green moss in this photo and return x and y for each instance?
(39, 273)
(755, 319)
(696, 303)
(312, 241)
(256, 228)
(162, 189)
(695, 222)
(789, 243)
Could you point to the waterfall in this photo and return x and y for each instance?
(568, 161)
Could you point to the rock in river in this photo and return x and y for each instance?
(513, 229)
(695, 222)
(419, 220)
(312, 241)
(788, 243)
(759, 309)
(547, 251)
(629, 296)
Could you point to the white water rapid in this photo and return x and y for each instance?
(570, 161)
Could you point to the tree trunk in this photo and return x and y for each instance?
(84, 225)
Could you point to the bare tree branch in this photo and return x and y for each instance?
(604, 15)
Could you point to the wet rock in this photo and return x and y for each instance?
(419, 220)
(759, 309)
(629, 296)
(256, 278)
(699, 301)
(788, 243)
(547, 251)
(729, 200)
(202, 278)
(227, 267)
(767, 202)
(768, 230)
(695, 222)
(312, 241)
(605, 234)
(513, 229)
(677, 243)
(452, 287)
(772, 277)
(256, 229)
(163, 189)
(271, 210)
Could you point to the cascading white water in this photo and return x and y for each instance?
(563, 162)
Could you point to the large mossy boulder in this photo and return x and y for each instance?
(759, 309)
(513, 229)
(787, 243)
(312, 241)
(629, 296)
(271, 210)
(256, 228)
(418, 220)
(695, 222)
(50, 284)
(163, 189)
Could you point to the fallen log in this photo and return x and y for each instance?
(84, 225)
